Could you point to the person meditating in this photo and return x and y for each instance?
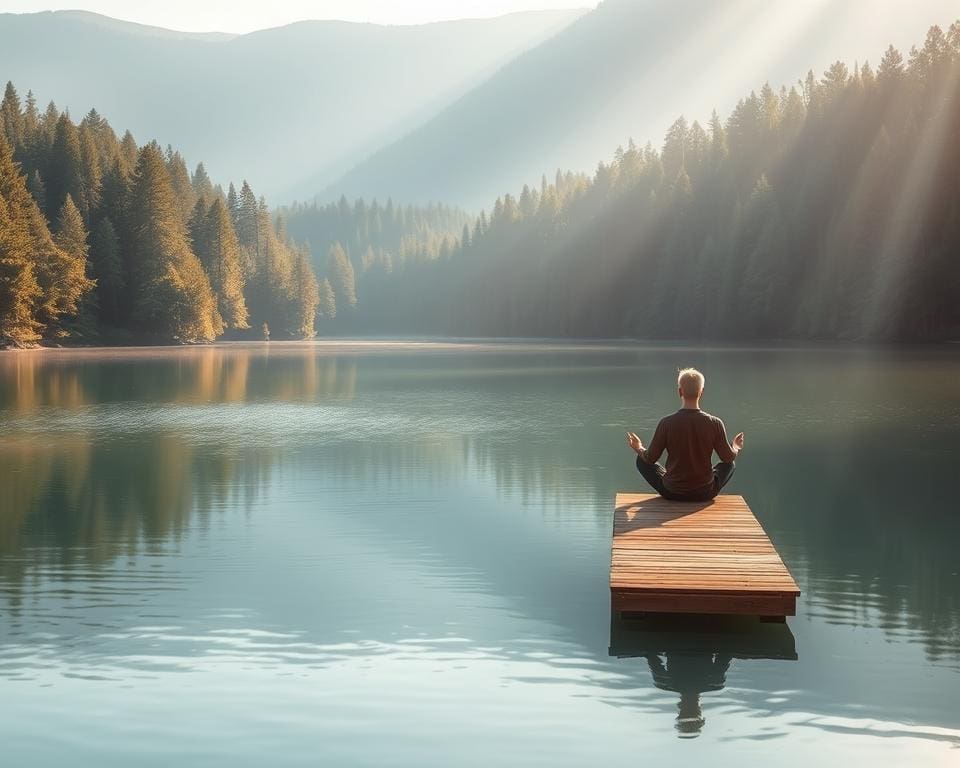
(689, 436)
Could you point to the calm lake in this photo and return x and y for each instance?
(398, 555)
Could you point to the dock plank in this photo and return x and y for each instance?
(692, 557)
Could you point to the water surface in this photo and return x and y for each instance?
(354, 554)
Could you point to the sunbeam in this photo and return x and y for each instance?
(901, 245)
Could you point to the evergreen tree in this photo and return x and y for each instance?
(219, 251)
(248, 220)
(48, 122)
(104, 139)
(31, 117)
(11, 118)
(202, 186)
(71, 239)
(675, 148)
(91, 174)
(326, 301)
(115, 192)
(197, 229)
(172, 294)
(19, 289)
(71, 236)
(307, 296)
(18, 285)
(341, 277)
(182, 185)
(891, 67)
(128, 153)
(64, 169)
(108, 271)
(115, 205)
(233, 203)
(60, 276)
(37, 188)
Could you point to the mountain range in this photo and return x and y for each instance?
(457, 111)
(627, 69)
(292, 108)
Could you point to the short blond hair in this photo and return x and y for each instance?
(690, 382)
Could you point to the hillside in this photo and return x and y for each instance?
(291, 107)
(626, 69)
(829, 210)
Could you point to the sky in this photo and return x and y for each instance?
(234, 16)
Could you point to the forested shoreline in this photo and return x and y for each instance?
(825, 211)
(104, 241)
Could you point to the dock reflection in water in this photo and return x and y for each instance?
(691, 654)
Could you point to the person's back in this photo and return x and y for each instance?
(689, 437)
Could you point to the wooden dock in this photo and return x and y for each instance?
(692, 557)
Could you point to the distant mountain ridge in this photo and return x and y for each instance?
(132, 27)
(292, 107)
(627, 69)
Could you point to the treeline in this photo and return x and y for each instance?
(363, 247)
(105, 241)
(827, 210)
(388, 236)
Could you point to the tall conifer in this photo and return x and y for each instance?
(71, 239)
(19, 288)
(220, 254)
(108, 271)
(172, 295)
(341, 276)
(64, 174)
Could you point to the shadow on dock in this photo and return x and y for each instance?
(653, 512)
(691, 654)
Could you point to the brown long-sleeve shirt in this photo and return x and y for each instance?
(689, 436)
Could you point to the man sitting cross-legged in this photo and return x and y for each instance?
(689, 436)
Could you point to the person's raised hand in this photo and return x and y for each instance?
(634, 442)
(738, 441)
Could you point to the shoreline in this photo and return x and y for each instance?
(473, 344)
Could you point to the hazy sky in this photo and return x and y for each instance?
(238, 16)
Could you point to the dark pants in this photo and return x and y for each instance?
(653, 474)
